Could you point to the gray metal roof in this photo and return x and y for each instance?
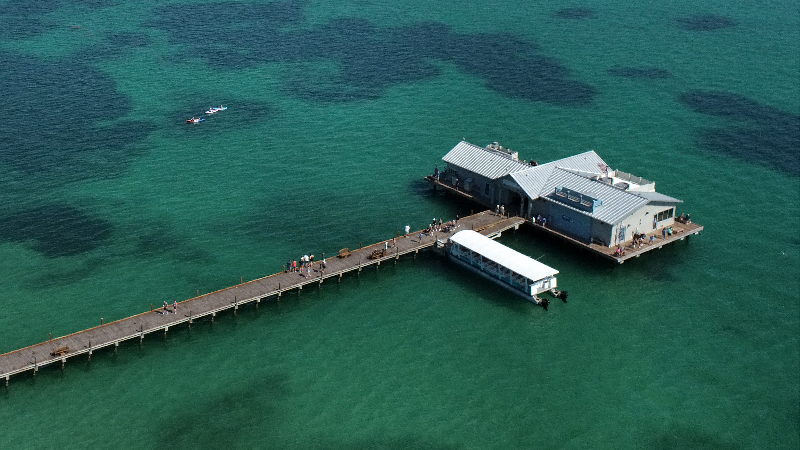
(482, 161)
(656, 197)
(532, 179)
(572, 172)
(617, 204)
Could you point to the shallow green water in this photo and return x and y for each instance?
(336, 112)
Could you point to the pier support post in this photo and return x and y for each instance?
(63, 361)
(340, 278)
(165, 331)
(213, 314)
(7, 377)
(116, 346)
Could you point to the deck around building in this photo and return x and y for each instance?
(92, 339)
(680, 230)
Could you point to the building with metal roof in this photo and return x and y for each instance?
(581, 196)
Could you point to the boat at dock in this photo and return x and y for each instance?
(504, 266)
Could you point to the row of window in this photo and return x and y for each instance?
(664, 215)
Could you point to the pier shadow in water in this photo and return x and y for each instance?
(755, 133)
(366, 59)
(56, 230)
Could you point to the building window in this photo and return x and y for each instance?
(486, 189)
(664, 215)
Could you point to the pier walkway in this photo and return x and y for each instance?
(87, 341)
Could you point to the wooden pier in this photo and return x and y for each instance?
(273, 286)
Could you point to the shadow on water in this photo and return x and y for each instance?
(231, 413)
(704, 22)
(365, 59)
(575, 13)
(250, 412)
(60, 128)
(681, 437)
(755, 132)
(640, 73)
(56, 230)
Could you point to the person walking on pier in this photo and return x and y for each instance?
(175, 307)
(408, 229)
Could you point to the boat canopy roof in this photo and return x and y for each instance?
(502, 255)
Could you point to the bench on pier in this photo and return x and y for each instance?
(60, 351)
(378, 253)
(344, 253)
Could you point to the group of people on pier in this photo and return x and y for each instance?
(304, 265)
(444, 227)
(166, 310)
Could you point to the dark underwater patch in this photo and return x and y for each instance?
(575, 13)
(113, 45)
(756, 133)
(705, 22)
(640, 73)
(24, 19)
(367, 59)
(56, 230)
(63, 123)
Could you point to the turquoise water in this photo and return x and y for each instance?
(110, 203)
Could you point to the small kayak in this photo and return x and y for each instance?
(195, 120)
(216, 110)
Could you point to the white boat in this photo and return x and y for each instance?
(195, 120)
(502, 265)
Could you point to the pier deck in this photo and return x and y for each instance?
(680, 231)
(87, 341)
